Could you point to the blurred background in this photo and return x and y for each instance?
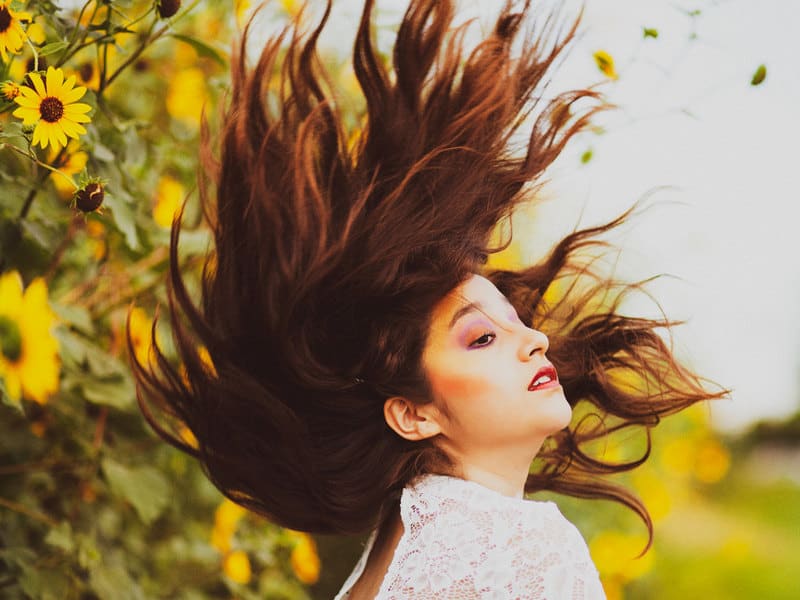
(94, 505)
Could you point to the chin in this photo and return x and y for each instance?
(559, 413)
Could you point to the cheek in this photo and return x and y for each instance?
(464, 389)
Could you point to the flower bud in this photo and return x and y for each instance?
(90, 197)
(167, 8)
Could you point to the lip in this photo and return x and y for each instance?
(548, 370)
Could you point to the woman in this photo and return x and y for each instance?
(369, 372)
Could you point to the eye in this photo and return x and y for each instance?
(484, 340)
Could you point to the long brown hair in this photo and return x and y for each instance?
(329, 258)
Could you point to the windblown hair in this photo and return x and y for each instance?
(331, 254)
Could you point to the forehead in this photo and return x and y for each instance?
(476, 289)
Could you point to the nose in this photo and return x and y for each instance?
(533, 341)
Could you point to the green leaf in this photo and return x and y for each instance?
(124, 219)
(759, 76)
(202, 48)
(82, 352)
(650, 32)
(52, 48)
(117, 392)
(61, 537)
(586, 156)
(144, 487)
(114, 583)
(75, 315)
(44, 584)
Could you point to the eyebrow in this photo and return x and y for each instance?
(468, 308)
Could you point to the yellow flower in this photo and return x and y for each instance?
(205, 359)
(12, 36)
(72, 162)
(9, 90)
(140, 325)
(712, 461)
(226, 518)
(169, 196)
(53, 107)
(605, 62)
(36, 34)
(88, 74)
(29, 362)
(615, 555)
(186, 96)
(305, 559)
(236, 565)
(241, 7)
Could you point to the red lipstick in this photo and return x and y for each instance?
(545, 378)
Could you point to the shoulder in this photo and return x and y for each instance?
(470, 543)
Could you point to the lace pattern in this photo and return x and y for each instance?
(465, 541)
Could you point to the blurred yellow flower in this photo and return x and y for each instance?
(97, 238)
(242, 7)
(188, 437)
(12, 35)
(9, 90)
(615, 555)
(712, 461)
(653, 492)
(35, 33)
(88, 74)
(186, 96)
(305, 559)
(29, 361)
(292, 7)
(605, 62)
(53, 107)
(140, 325)
(168, 199)
(72, 162)
(678, 456)
(226, 518)
(236, 566)
(205, 358)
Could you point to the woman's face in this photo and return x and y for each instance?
(495, 389)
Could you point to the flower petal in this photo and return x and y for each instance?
(77, 108)
(38, 135)
(77, 118)
(55, 79)
(29, 116)
(33, 101)
(10, 294)
(37, 84)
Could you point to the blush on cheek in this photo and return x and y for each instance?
(456, 386)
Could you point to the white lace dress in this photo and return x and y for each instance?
(462, 540)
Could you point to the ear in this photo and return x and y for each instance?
(411, 421)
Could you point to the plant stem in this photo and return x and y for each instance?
(24, 510)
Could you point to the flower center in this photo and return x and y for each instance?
(86, 71)
(5, 19)
(51, 109)
(10, 339)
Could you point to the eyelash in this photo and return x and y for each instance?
(489, 334)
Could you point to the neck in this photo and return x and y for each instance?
(498, 471)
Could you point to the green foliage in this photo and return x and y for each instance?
(92, 503)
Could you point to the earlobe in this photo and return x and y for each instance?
(409, 420)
